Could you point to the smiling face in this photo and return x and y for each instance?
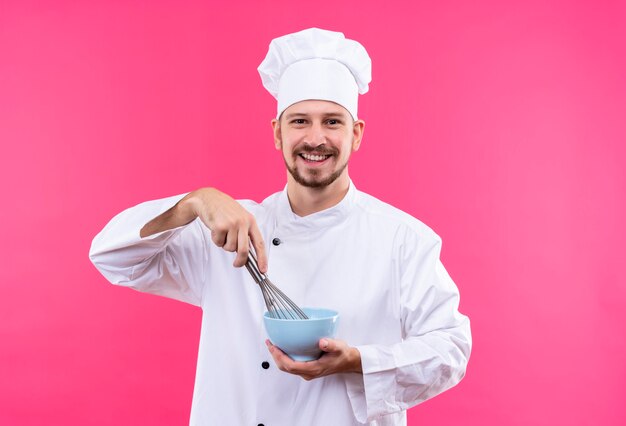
(317, 139)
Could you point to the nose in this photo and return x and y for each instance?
(315, 135)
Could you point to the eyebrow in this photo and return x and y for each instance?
(303, 114)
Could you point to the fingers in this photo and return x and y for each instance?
(279, 356)
(307, 370)
(242, 248)
(231, 240)
(338, 358)
(259, 246)
(281, 359)
(232, 226)
(249, 232)
(218, 236)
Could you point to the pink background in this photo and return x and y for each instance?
(499, 124)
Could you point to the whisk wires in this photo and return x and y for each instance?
(277, 303)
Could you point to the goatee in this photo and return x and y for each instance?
(313, 178)
(313, 182)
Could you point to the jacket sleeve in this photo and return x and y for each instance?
(436, 344)
(168, 264)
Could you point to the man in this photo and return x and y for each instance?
(401, 339)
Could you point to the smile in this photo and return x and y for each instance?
(311, 157)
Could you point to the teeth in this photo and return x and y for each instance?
(315, 157)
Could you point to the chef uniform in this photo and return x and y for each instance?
(377, 266)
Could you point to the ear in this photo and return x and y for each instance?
(357, 133)
(278, 140)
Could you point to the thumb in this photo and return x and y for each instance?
(328, 345)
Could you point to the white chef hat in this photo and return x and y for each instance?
(316, 64)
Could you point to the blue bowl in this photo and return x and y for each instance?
(300, 338)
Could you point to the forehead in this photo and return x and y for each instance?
(315, 108)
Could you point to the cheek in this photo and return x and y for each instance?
(348, 144)
(289, 140)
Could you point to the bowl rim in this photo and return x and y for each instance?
(332, 313)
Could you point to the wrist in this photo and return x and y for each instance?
(187, 209)
(355, 361)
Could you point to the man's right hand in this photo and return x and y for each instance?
(232, 227)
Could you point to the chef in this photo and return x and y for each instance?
(401, 339)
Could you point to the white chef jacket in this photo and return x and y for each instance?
(377, 266)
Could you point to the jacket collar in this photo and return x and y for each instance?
(286, 218)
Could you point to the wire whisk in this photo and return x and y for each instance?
(277, 303)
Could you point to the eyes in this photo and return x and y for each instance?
(330, 122)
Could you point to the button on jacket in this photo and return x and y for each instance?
(377, 266)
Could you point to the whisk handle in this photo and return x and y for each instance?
(253, 267)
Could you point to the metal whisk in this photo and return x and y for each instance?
(277, 303)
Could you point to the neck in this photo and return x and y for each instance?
(305, 201)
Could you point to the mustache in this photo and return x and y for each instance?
(319, 150)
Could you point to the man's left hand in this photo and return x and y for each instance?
(337, 357)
